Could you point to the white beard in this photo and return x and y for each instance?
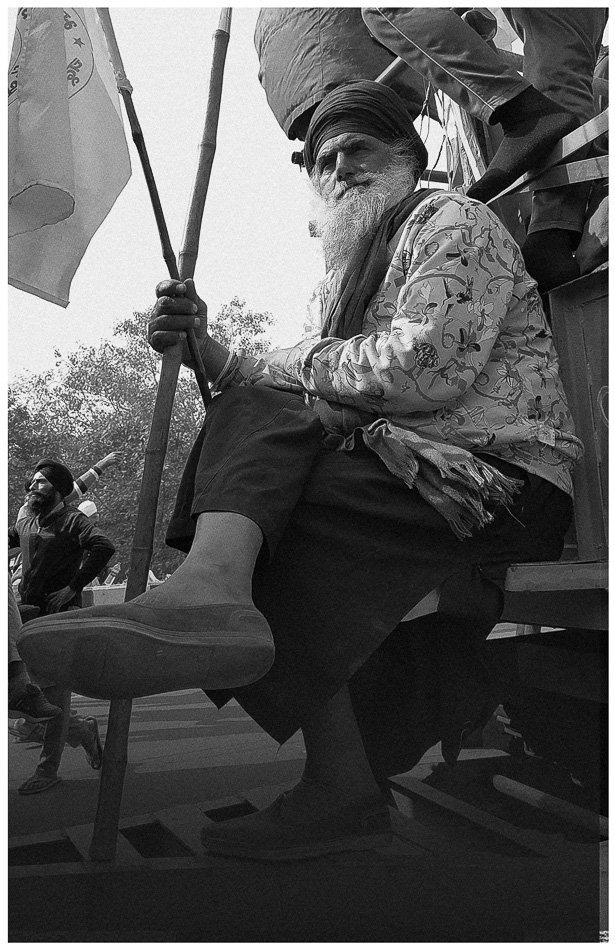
(341, 223)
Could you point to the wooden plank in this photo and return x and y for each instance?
(229, 802)
(531, 840)
(557, 575)
(428, 838)
(574, 814)
(588, 169)
(134, 821)
(60, 869)
(558, 594)
(564, 149)
(586, 609)
(401, 847)
(580, 323)
(43, 837)
(126, 855)
(186, 823)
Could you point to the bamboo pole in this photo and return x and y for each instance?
(207, 148)
(125, 90)
(104, 837)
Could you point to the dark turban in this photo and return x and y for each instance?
(57, 474)
(367, 107)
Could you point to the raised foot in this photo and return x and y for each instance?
(128, 650)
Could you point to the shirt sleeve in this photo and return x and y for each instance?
(447, 292)
(83, 484)
(14, 540)
(281, 368)
(98, 548)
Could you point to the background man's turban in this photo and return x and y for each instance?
(366, 107)
(57, 474)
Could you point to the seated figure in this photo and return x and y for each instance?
(418, 437)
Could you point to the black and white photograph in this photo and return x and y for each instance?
(308, 446)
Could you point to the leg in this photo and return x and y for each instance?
(200, 628)
(337, 805)
(440, 45)
(332, 593)
(46, 774)
(219, 565)
(335, 755)
(14, 626)
(443, 48)
(25, 700)
(84, 732)
(561, 47)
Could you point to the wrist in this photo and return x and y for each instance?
(207, 345)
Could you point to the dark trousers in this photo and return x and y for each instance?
(561, 47)
(348, 549)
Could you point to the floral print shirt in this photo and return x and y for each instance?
(455, 346)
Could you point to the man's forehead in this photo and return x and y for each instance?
(347, 139)
(39, 477)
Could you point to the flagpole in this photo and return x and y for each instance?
(125, 89)
(207, 148)
(104, 836)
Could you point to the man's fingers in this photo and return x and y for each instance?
(162, 339)
(173, 321)
(172, 288)
(167, 304)
(191, 293)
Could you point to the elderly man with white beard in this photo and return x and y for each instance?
(414, 444)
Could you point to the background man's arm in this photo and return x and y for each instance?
(89, 478)
(99, 551)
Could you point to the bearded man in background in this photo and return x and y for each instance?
(61, 554)
(350, 497)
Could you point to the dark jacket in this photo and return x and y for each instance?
(53, 548)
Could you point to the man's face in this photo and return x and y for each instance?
(349, 160)
(356, 177)
(41, 495)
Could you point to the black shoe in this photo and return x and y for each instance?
(32, 704)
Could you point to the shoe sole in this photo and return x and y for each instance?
(122, 660)
(351, 843)
(37, 791)
(18, 714)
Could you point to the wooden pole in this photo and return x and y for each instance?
(104, 837)
(190, 248)
(125, 89)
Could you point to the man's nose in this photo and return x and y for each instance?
(344, 167)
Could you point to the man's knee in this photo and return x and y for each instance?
(237, 397)
(245, 410)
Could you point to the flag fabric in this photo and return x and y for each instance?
(68, 157)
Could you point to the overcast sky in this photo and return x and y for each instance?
(255, 242)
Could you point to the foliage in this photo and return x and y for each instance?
(100, 399)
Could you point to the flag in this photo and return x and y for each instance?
(68, 156)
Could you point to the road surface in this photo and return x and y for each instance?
(182, 750)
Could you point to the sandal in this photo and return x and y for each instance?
(38, 783)
(92, 746)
